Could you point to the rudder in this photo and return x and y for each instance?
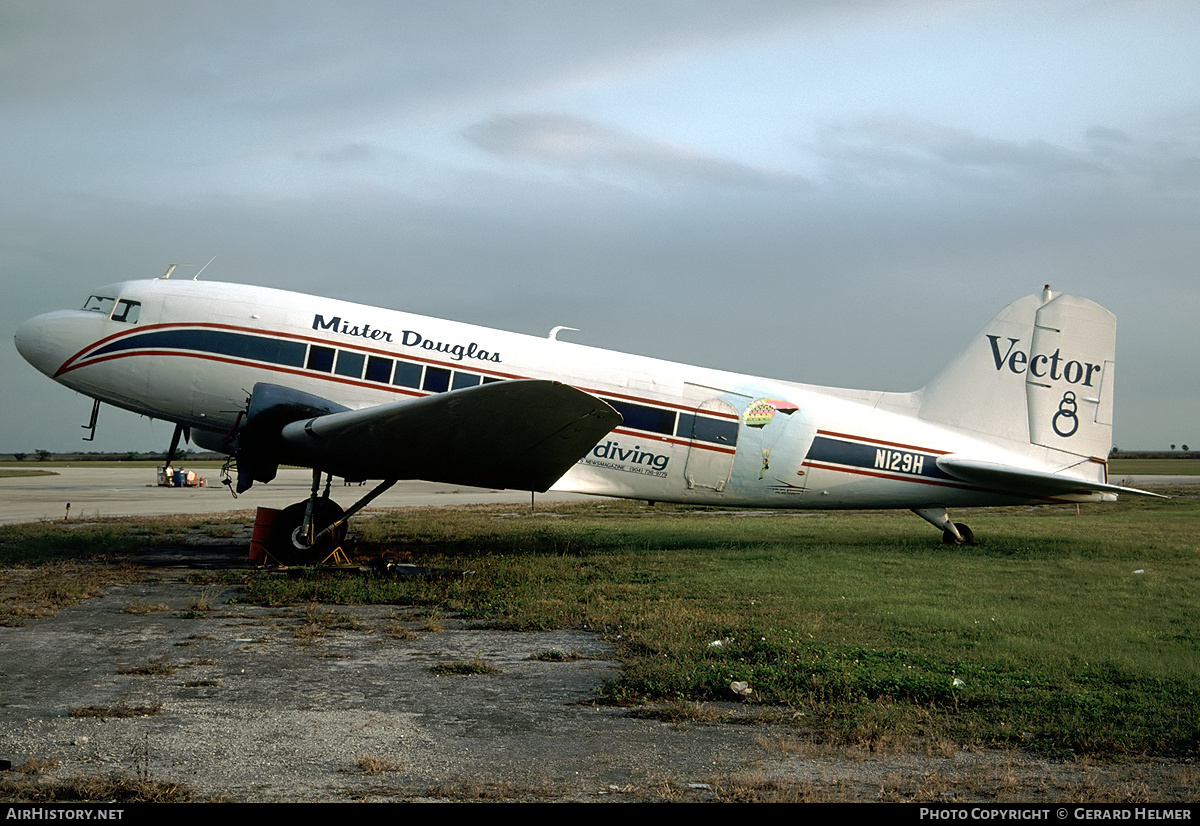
(1069, 378)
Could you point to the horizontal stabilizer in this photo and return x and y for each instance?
(1022, 482)
(512, 434)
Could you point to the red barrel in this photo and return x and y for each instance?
(262, 534)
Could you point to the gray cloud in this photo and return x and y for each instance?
(881, 148)
(574, 142)
(271, 57)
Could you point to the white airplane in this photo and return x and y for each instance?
(269, 377)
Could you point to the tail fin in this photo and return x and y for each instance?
(1041, 373)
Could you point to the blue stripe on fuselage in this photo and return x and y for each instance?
(219, 342)
(890, 459)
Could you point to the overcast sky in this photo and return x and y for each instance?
(830, 192)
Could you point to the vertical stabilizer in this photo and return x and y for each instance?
(1040, 373)
(979, 391)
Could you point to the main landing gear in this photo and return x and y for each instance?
(293, 533)
(953, 533)
(311, 531)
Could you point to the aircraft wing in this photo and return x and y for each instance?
(1025, 482)
(511, 434)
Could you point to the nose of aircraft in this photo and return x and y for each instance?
(47, 340)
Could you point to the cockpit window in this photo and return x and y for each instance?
(127, 311)
(122, 310)
(99, 304)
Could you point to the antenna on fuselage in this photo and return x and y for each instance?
(202, 269)
(170, 270)
(554, 333)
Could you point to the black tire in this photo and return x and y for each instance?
(968, 538)
(282, 544)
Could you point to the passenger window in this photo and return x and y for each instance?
(320, 358)
(645, 418)
(462, 380)
(127, 311)
(407, 374)
(379, 369)
(350, 364)
(437, 380)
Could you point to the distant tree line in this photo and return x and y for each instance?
(1172, 453)
(110, 456)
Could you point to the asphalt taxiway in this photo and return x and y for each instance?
(104, 492)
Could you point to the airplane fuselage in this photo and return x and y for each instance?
(190, 352)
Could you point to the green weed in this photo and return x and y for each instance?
(116, 711)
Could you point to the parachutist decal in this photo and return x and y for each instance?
(758, 414)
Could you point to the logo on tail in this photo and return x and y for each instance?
(1043, 366)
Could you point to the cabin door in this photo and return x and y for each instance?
(712, 430)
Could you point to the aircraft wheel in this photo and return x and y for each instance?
(968, 538)
(284, 544)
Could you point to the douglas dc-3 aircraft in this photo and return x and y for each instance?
(271, 377)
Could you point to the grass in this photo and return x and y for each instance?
(45, 566)
(468, 668)
(37, 543)
(157, 667)
(117, 711)
(141, 607)
(680, 712)
(28, 594)
(556, 655)
(1063, 632)
(1154, 467)
(318, 621)
(29, 785)
(199, 606)
(115, 788)
(372, 765)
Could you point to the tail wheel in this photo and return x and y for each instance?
(285, 544)
(968, 538)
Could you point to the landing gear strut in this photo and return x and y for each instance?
(300, 532)
(953, 533)
(291, 542)
(961, 535)
(309, 531)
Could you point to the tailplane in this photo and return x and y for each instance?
(1041, 373)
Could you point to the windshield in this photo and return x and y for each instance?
(118, 310)
(99, 304)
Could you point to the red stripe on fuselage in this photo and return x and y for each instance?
(869, 441)
(81, 361)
